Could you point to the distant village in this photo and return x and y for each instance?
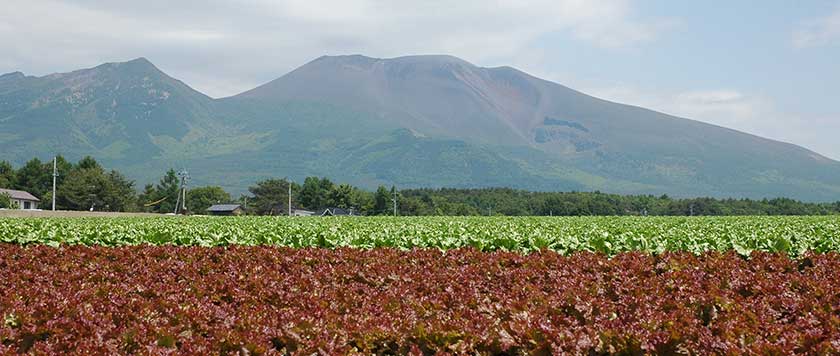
(237, 209)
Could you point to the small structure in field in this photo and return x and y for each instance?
(283, 210)
(301, 212)
(21, 200)
(225, 209)
(332, 211)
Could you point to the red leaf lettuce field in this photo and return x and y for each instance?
(268, 300)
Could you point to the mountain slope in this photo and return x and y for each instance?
(411, 121)
(443, 96)
(438, 95)
(113, 104)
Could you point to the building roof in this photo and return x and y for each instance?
(284, 207)
(19, 194)
(224, 207)
(336, 211)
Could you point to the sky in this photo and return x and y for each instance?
(769, 67)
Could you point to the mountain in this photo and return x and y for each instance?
(412, 121)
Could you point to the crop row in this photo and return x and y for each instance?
(609, 235)
(268, 300)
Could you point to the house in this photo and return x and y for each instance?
(283, 210)
(225, 209)
(301, 212)
(21, 200)
(332, 211)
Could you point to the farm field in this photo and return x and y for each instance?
(250, 300)
(565, 235)
(420, 285)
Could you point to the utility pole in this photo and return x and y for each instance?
(55, 174)
(290, 197)
(177, 201)
(181, 201)
(395, 200)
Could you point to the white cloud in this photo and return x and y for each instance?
(819, 32)
(189, 35)
(248, 42)
(724, 107)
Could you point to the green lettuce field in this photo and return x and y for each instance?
(608, 235)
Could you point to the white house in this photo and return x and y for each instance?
(21, 200)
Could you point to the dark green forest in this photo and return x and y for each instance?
(87, 185)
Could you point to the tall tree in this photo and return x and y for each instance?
(381, 201)
(5, 201)
(201, 198)
(63, 169)
(145, 198)
(270, 197)
(119, 194)
(35, 177)
(314, 193)
(88, 163)
(341, 196)
(362, 200)
(88, 186)
(84, 189)
(166, 189)
(7, 175)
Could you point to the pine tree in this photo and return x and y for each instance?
(166, 189)
(34, 177)
(381, 200)
(7, 175)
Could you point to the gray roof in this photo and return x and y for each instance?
(336, 211)
(19, 194)
(224, 207)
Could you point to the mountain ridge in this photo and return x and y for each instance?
(346, 117)
(451, 59)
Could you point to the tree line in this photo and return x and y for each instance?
(505, 201)
(83, 185)
(87, 185)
